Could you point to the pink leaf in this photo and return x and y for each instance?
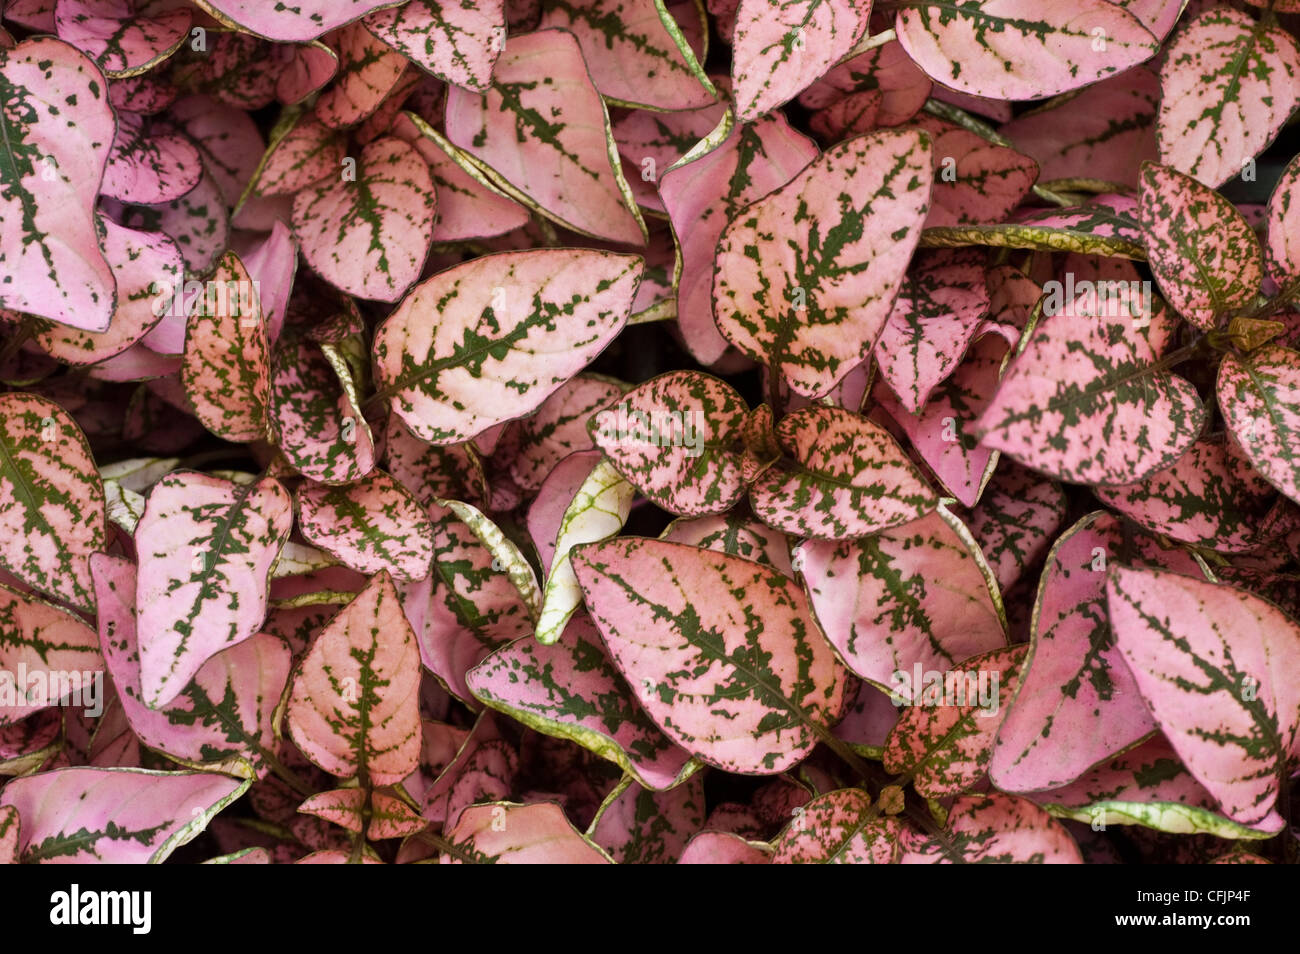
(456, 42)
(975, 181)
(736, 535)
(839, 828)
(886, 69)
(1259, 395)
(368, 72)
(1016, 518)
(149, 165)
(48, 657)
(644, 827)
(508, 834)
(993, 829)
(121, 41)
(722, 848)
(293, 23)
(370, 525)
(388, 816)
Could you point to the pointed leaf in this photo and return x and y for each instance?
(370, 525)
(993, 829)
(456, 42)
(975, 181)
(1259, 395)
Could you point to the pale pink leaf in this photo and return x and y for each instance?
(370, 525)
(645, 827)
(992, 829)
(456, 42)
(48, 657)
(507, 834)
(297, 22)
(1259, 395)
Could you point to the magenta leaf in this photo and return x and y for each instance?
(292, 23)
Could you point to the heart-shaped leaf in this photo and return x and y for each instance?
(1203, 253)
(370, 525)
(805, 278)
(59, 129)
(354, 707)
(1211, 662)
(511, 328)
(51, 499)
(1021, 49)
(206, 547)
(566, 164)
(848, 477)
(114, 815)
(681, 624)
(1259, 395)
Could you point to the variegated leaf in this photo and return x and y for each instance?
(149, 164)
(1282, 248)
(433, 472)
(805, 278)
(59, 130)
(51, 499)
(48, 657)
(919, 595)
(736, 535)
(992, 829)
(839, 828)
(370, 525)
(1228, 83)
(550, 142)
(682, 625)
(1212, 663)
(308, 153)
(1016, 518)
(645, 827)
(845, 477)
(205, 546)
(1021, 49)
(298, 22)
(368, 71)
(1201, 250)
(559, 428)
(1106, 226)
(456, 42)
(511, 329)
(508, 834)
(1259, 395)
(354, 709)
(976, 182)
(122, 39)
(886, 69)
(723, 848)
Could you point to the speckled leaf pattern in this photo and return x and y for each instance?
(511, 329)
(58, 652)
(370, 525)
(805, 278)
(782, 48)
(196, 222)
(645, 827)
(678, 439)
(839, 828)
(537, 834)
(468, 606)
(354, 708)
(144, 263)
(298, 22)
(945, 745)
(1203, 253)
(223, 716)
(389, 816)
(1021, 49)
(1077, 703)
(1107, 226)
(1104, 132)
(559, 428)
(1282, 244)
(846, 476)
(734, 534)
(1015, 520)
(1259, 395)
(940, 305)
(51, 165)
(8, 835)
(434, 472)
(570, 168)
(683, 626)
(976, 182)
(368, 71)
(308, 153)
(227, 365)
(878, 603)
(703, 193)
(886, 69)
(113, 815)
(1145, 786)
(149, 165)
(1228, 84)
(635, 50)
(993, 829)
(370, 237)
(205, 546)
(51, 499)
(1213, 663)
(121, 41)
(1210, 497)
(1085, 401)
(457, 42)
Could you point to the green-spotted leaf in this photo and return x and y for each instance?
(8, 835)
(549, 142)
(679, 439)
(197, 222)
(508, 834)
(919, 595)
(734, 534)
(943, 741)
(723, 653)
(805, 277)
(227, 366)
(1259, 395)
(47, 657)
(223, 716)
(114, 815)
(387, 817)
(559, 428)
(51, 499)
(839, 828)
(884, 69)
(992, 829)
(510, 329)
(59, 129)
(306, 154)
(1228, 83)
(150, 164)
(206, 547)
(456, 42)
(1087, 402)
(1021, 49)
(297, 22)
(635, 50)
(370, 525)
(122, 39)
(781, 49)
(368, 72)
(1015, 520)
(367, 229)
(976, 182)
(434, 472)
(597, 512)
(644, 827)
(572, 690)
(1213, 664)
(1203, 253)
(845, 477)
(354, 708)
